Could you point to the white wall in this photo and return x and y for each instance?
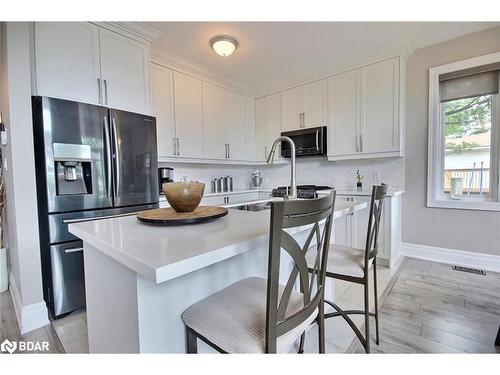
(477, 231)
(19, 177)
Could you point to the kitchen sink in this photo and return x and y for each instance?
(253, 207)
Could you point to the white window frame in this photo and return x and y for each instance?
(435, 158)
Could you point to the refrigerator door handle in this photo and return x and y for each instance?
(108, 156)
(116, 158)
(73, 250)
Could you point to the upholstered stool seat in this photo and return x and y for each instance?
(234, 319)
(344, 260)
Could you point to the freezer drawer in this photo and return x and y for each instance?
(68, 281)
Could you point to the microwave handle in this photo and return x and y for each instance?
(317, 140)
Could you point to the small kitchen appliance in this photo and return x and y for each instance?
(165, 174)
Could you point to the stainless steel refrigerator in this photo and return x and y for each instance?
(91, 162)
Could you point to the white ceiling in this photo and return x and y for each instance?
(271, 52)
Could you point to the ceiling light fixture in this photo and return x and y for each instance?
(223, 45)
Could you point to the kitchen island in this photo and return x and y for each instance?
(140, 278)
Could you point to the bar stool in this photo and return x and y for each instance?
(256, 315)
(353, 265)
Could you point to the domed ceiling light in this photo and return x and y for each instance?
(223, 45)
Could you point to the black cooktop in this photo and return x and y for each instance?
(303, 191)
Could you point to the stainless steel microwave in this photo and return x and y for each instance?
(308, 142)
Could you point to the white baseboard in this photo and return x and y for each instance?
(470, 259)
(29, 317)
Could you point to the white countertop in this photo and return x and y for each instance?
(162, 253)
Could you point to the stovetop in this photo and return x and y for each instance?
(303, 191)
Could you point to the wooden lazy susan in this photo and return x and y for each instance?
(168, 216)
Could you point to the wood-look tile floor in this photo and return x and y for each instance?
(434, 309)
(9, 328)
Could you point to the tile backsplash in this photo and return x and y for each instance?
(310, 170)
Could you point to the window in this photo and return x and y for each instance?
(464, 124)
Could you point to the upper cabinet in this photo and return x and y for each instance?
(162, 87)
(380, 107)
(267, 125)
(304, 106)
(188, 116)
(125, 72)
(343, 105)
(83, 62)
(235, 127)
(67, 61)
(214, 122)
(364, 112)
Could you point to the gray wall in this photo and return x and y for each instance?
(477, 231)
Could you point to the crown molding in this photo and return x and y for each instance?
(136, 30)
(185, 66)
(401, 50)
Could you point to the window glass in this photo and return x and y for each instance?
(467, 131)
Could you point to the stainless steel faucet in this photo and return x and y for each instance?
(270, 160)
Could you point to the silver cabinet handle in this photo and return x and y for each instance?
(99, 90)
(105, 92)
(265, 152)
(303, 119)
(228, 151)
(361, 142)
(75, 250)
(357, 148)
(116, 157)
(108, 156)
(225, 150)
(173, 141)
(178, 147)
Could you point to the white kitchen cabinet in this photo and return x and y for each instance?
(83, 62)
(304, 106)
(364, 112)
(188, 116)
(162, 85)
(291, 109)
(214, 122)
(67, 61)
(314, 104)
(351, 229)
(380, 107)
(250, 140)
(268, 126)
(223, 123)
(125, 72)
(235, 126)
(343, 106)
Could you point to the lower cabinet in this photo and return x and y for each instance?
(351, 230)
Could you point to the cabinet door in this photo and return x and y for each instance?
(125, 72)
(314, 104)
(261, 133)
(67, 61)
(162, 84)
(214, 122)
(273, 123)
(359, 222)
(188, 115)
(341, 227)
(343, 108)
(291, 109)
(379, 107)
(250, 133)
(235, 125)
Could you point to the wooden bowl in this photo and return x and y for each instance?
(183, 196)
